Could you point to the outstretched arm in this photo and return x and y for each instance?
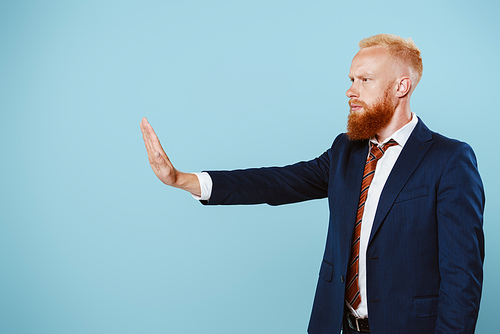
(161, 165)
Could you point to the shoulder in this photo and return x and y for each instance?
(441, 144)
(454, 158)
(448, 143)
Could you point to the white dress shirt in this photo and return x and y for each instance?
(382, 171)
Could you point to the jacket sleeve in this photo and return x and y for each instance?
(272, 185)
(460, 207)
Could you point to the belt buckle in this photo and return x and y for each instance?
(349, 319)
(354, 324)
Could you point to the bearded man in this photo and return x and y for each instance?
(405, 245)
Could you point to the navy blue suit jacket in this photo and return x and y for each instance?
(426, 248)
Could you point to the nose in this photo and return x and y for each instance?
(352, 92)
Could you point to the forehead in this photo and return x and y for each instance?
(371, 60)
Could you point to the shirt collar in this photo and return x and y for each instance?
(400, 136)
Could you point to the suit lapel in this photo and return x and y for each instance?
(352, 186)
(412, 154)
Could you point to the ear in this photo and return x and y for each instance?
(404, 86)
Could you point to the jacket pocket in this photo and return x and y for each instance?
(326, 271)
(409, 194)
(424, 307)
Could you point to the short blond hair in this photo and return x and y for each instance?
(403, 49)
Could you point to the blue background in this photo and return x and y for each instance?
(92, 242)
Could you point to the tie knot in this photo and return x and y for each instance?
(378, 152)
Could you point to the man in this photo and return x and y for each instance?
(405, 244)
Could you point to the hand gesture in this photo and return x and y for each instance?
(158, 159)
(161, 165)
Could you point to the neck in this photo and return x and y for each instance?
(402, 116)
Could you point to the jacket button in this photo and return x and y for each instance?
(341, 279)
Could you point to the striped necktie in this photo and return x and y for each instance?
(352, 295)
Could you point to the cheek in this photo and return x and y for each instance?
(372, 94)
(369, 99)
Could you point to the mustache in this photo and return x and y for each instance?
(357, 102)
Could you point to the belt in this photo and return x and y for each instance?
(358, 324)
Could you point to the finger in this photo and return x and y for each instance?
(147, 134)
(141, 124)
(153, 144)
(150, 132)
(143, 131)
(147, 140)
(148, 144)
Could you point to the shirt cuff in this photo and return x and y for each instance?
(205, 186)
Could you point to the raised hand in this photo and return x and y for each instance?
(161, 165)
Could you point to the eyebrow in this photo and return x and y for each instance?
(362, 75)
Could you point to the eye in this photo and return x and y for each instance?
(365, 79)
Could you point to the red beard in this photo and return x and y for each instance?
(367, 123)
